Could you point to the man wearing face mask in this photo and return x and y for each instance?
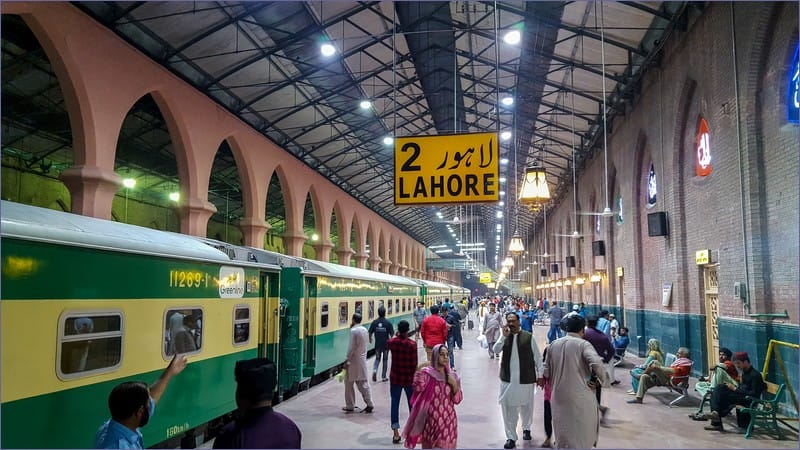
(131, 405)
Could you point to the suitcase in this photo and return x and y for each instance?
(470, 324)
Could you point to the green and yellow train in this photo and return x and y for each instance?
(88, 304)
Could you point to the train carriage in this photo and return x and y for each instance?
(88, 304)
(434, 292)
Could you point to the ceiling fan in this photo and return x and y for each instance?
(573, 235)
(607, 211)
(455, 220)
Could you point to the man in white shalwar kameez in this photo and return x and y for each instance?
(569, 365)
(520, 364)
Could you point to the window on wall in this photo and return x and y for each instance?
(324, 315)
(342, 313)
(651, 189)
(241, 324)
(183, 331)
(90, 343)
(702, 147)
(793, 97)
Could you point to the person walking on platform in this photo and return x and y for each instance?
(356, 367)
(132, 404)
(383, 330)
(569, 363)
(401, 375)
(556, 314)
(603, 347)
(519, 365)
(491, 327)
(419, 316)
(259, 426)
(433, 331)
(437, 391)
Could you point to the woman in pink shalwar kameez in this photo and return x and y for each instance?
(437, 390)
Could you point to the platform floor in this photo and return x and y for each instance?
(650, 425)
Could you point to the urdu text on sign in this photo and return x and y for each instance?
(459, 168)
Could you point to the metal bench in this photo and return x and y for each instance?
(679, 384)
(764, 410)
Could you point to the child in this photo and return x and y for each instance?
(548, 415)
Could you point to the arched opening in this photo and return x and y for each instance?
(353, 240)
(310, 230)
(275, 216)
(145, 160)
(334, 258)
(36, 133)
(225, 192)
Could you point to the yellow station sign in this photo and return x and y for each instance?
(460, 168)
(701, 257)
(486, 277)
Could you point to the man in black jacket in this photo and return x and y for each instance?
(725, 396)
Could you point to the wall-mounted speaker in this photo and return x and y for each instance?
(543, 272)
(553, 268)
(570, 261)
(657, 224)
(598, 248)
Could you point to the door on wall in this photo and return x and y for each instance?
(621, 301)
(711, 290)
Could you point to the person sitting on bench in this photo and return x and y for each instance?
(723, 372)
(725, 396)
(621, 343)
(656, 375)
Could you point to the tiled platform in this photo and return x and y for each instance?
(650, 425)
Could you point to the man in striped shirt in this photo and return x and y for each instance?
(401, 375)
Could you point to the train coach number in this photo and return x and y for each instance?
(187, 279)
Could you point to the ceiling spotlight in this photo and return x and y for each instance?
(502, 179)
(388, 140)
(315, 237)
(365, 104)
(507, 101)
(174, 196)
(505, 135)
(502, 203)
(503, 160)
(512, 37)
(327, 49)
(129, 182)
(499, 214)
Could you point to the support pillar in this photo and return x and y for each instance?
(293, 241)
(361, 260)
(194, 214)
(323, 250)
(253, 231)
(92, 190)
(375, 263)
(344, 254)
(386, 266)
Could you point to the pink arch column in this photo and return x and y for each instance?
(92, 190)
(361, 260)
(293, 240)
(253, 231)
(344, 254)
(374, 263)
(386, 266)
(323, 250)
(194, 214)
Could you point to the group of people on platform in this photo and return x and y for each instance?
(572, 369)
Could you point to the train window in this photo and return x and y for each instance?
(183, 331)
(389, 307)
(342, 313)
(358, 308)
(371, 309)
(89, 343)
(324, 313)
(397, 305)
(241, 324)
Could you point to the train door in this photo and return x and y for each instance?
(270, 314)
(291, 331)
(310, 327)
(711, 291)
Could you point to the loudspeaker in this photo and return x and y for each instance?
(553, 268)
(543, 272)
(657, 224)
(570, 261)
(598, 248)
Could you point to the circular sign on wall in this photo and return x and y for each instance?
(702, 150)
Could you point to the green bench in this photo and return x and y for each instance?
(764, 410)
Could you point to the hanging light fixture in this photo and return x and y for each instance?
(516, 247)
(508, 262)
(534, 186)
